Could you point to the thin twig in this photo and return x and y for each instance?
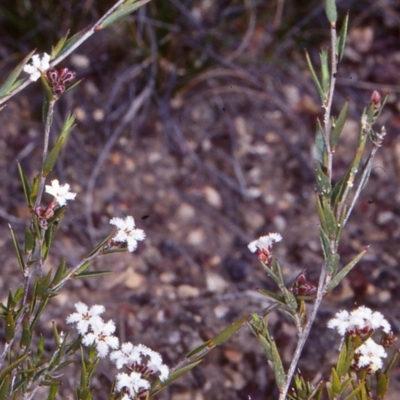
(328, 101)
(304, 335)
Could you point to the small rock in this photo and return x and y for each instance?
(216, 283)
(187, 291)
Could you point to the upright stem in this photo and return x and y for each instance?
(304, 335)
(47, 127)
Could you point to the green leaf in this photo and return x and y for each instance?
(323, 184)
(330, 10)
(67, 44)
(4, 387)
(330, 220)
(18, 251)
(8, 84)
(271, 295)
(25, 185)
(354, 393)
(338, 126)
(26, 336)
(6, 370)
(344, 271)
(335, 382)
(60, 273)
(320, 145)
(228, 332)
(324, 59)
(29, 241)
(100, 245)
(315, 77)
(341, 42)
(10, 327)
(332, 263)
(382, 385)
(58, 47)
(91, 274)
(280, 375)
(326, 247)
(174, 375)
(122, 11)
(290, 299)
(53, 155)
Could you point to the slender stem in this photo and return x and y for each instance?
(47, 127)
(91, 30)
(304, 336)
(75, 269)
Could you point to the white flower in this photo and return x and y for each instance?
(264, 242)
(370, 355)
(132, 384)
(38, 66)
(127, 232)
(140, 358)
(85, 317)
(102, 337)
(360, 320)
(61, 193)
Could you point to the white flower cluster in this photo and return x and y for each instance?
(93, 329)
(38, 66)
(360, 322)
(141, 361)
(369, 355)
(127, 233)
(264, 242)
(60, 193)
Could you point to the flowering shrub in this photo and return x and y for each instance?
(362, 370)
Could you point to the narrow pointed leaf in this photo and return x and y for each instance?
(7, 86)
(320, 145)
(29, 241)
(60, 44)
(323, 184)
(18, 251)
(5, 386)
(26, 336)
(315, 77)
(174, 375)
(92, 274)
(338, 126)
(344, 271)
(53, 155)
(25, 185)
(341, 43)
(324, 59)
(330, 10)
(72, 40)
(122, 11)
(280, 375)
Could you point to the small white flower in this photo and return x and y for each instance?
(85, 317)
(140, 358)
(127, 232)
(360, 320)
(102, 336)
(132, 384)
(60, 193)
(370, 355)
(38, 66)
(264, 242)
